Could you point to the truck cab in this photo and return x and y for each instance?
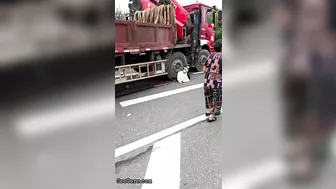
(210, 20)
(182, 36)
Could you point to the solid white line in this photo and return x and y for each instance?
(248, 74)
(49, 121)
(164, 164)
(254, 176)
(157, 136)
(231, 79)
(46, 122)
(160, 95)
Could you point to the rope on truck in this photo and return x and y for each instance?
(158, 15)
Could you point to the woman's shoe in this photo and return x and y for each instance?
(217, 112)
(211, 118)
(303, 170)
(210, 111)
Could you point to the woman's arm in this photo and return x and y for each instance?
(207, 64)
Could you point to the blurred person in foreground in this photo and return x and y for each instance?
(309, 83)
(213, 83)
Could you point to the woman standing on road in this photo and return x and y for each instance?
(213, 83)
(309, 86)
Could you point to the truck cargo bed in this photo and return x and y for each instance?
(134, 36)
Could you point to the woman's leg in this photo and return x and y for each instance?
(326, 108)
(218, 100)
(208, 100)
(213, 104)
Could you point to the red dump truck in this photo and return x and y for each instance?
(144, 49)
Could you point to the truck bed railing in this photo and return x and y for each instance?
(134, 72)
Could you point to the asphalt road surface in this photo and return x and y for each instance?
(59, 138)
(144, 119)
(243, 134)
(208, 150)
(242, 150)
(57, 134)
(243, 146)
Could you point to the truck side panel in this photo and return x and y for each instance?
(137, 35)
(152, 35)
(123, 34)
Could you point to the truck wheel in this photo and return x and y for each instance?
(203, 56)
(175, 63)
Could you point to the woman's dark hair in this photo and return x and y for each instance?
(218, 46)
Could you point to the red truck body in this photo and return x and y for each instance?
(181, 18)
(140, 37)
(147, 4)
(144, 50)
(208, 31)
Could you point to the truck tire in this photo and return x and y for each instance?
(175, 63)
(203, 56)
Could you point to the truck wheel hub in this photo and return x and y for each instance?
(177, 65)
(203, 60)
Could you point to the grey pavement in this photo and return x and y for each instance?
(201, 156)
(248, 131)
(252, 119)
(325, 181)
(76, 156)
(144, 119)
(200, 144)
(251, 124)
(200, 159)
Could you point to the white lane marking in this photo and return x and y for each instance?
(46, 122)
(157, 136)
(165, 163)
(258, 174)
(231, 79)
(252, 177)
(248, 74)
(160, 95)
(49, 121)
